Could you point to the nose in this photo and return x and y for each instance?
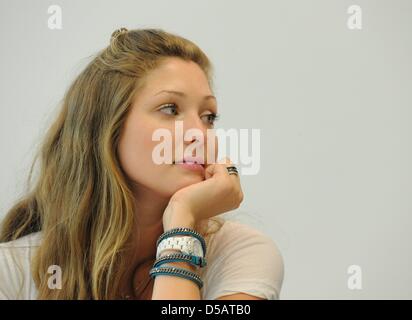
(193, 126)
(195, 131)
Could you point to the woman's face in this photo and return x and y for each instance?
(153, 109)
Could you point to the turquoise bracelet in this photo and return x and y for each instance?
(183, 231)
(194, 260)
(174, 271)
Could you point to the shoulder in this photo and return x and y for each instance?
(15, 262)
(19, 246)
(242, 258)
(28, 241)
(237, 236)
(235, 228)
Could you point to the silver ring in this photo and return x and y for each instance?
(232, 170)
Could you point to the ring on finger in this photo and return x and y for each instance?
(232, 170)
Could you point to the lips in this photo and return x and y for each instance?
(191, 160)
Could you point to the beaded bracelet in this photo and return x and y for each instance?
(183, 231)
(194, 260)
(180, 272)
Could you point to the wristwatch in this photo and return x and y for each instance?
(186, 244)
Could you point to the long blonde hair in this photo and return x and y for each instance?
(82, 201)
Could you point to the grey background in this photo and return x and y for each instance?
(333, 106)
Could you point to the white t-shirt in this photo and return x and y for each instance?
(240, 259)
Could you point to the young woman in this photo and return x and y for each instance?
(91, 226)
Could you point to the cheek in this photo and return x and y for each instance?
(135, 154)
(135, 148)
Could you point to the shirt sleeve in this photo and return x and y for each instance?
(244, 261)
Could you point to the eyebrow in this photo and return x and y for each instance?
(182, 94)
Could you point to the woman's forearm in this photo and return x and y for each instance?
(171, 287)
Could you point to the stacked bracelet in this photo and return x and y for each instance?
(197, 261)
(180, 272)
(193, 260)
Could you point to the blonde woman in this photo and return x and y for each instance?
(90, 226)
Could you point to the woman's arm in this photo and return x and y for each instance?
(169, 287)
(219, 192)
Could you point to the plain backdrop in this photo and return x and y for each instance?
(333, 106)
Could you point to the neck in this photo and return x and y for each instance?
(149, 224)
(147, 229)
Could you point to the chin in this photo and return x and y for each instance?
(187, 181)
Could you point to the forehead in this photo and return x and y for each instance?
(176, 74)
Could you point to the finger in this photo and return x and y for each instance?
(219, 168)
(215, 169)
(229, 163)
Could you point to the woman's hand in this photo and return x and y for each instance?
(218, 193)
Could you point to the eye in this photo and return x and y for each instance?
(169, 108)
(211, 118)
